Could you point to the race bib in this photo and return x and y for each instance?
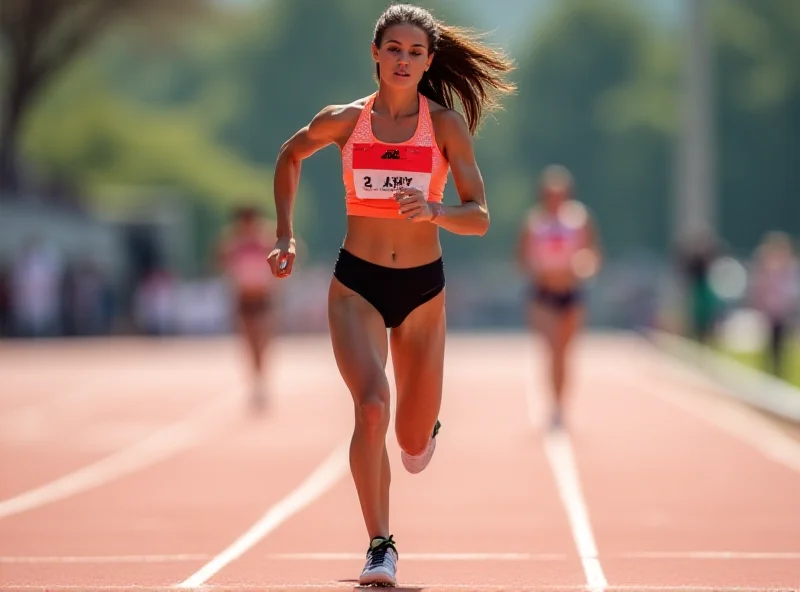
(381, 169)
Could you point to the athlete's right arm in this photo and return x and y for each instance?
(521, 251)
(324, 129)
(220, 253)
(522, 254)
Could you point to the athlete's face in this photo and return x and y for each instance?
(403, 55)
(554, 195)
(247, 222)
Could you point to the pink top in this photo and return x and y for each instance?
(552, 244)
(246, 262)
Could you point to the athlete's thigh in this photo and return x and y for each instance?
(418, 358)
(544, 320)
(359, 340)
(247, 325)
(570, 322)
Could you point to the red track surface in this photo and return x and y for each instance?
(675, 487)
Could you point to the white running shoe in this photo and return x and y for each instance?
(381, 566)
(416, 464)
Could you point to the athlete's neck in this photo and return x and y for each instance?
(396, 104)
(550, 211)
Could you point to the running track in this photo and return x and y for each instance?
(133, 465)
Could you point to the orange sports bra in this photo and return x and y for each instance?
(373, 170)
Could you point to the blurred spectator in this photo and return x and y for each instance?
(696, 254)
(775, 292)
(85, 300)
(36, 290)
(155, 303)
(5, 301)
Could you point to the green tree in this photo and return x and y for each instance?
(109, 145)
(40, 38)
(757, 99)
(577, 82)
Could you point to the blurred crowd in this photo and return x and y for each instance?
(765, 290)
(42, 294)
(45, 293)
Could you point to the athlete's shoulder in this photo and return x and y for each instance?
(342, 113)
(575, 204)
(526, 221)
(337, 120)
(575, 214)
(447, 119)
(450, 129)
(534, 216)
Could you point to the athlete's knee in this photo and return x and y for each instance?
(559, 354)
(412, 439)
(372, 406)
(562, 343)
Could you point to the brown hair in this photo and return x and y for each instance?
(462, 65)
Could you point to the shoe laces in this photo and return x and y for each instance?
(436, 428)
(378, 549)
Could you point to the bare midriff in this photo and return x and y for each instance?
(392, 242)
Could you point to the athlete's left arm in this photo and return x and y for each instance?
(593, 240)
(219, 255)
(592, 261)
(471, 216)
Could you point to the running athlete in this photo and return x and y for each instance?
(397, 146)
(243, 251)
(558, 250)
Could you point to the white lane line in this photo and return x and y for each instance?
(561, 458)
(422, 556)
(164, 443)
(104, 558)
(726, 555)
(472, 587)
(432, 557)
(562, 462)
(324, 477)
(740, 422)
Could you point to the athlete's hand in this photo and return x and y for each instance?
(281, 259)
(413, 204)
